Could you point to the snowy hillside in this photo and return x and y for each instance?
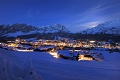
(112, 27)
(46, 67)
(23, 29)
(19, 34)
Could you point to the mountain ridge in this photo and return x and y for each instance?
(104, 32)
(111, 27)
(24, 29)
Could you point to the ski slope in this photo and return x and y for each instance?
(50, 68)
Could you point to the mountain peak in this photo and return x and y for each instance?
(111, 27)
(24, 29)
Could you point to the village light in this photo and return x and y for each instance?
(92, 41)
(54, 54)
(24, 50)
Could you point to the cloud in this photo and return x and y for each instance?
(95, 15)
(91, 24)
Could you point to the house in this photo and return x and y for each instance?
(45, 48)
(85, 57)
(66, 54)
(12, 45)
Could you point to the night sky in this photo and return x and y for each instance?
(76, 15)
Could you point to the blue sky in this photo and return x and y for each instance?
(76, 15)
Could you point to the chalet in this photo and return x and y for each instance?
(12, 45)
(85, 57)
(45, 48)
(66, 54)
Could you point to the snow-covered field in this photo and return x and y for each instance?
(19, 65)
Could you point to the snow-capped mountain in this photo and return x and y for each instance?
(23, 29)
(53, 29)
(112, 27)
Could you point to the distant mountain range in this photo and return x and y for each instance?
(112, 27)
(24, 29)
(104, 31)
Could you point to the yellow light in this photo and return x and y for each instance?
(24, 50)
(54, 54)
(92, 41)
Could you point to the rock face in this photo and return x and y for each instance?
(24, 29)
(112, 27)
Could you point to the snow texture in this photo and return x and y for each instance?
(42, 66)
(112, 27)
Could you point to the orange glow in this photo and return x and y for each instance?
(54, 54)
